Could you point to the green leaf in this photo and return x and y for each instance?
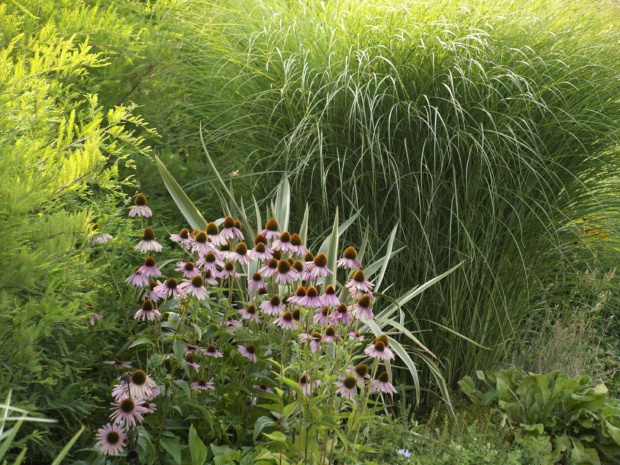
(174, 448)
(139, 342)
(388, 253)
(283, 204)
(198, 451)
(276, 436)
(65, 450)
(185, 205)
(261, 424)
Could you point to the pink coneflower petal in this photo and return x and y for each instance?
(307, 385)
(379, 350)
(249, 313)
(183, 238)
(347, 387)
(211, 351)
(382, 384)
(203, 385)
(153, 293)
(95, 318)
(262, 388)
(170, 288)
(358, 282)
(355, 335)
(213, 233)
(111, 439)
(312, 298)
(273, 306)
(99, 238)
(148, 242)
(286, 321)
(342, 315)
(189, 269)
(127, 412)
(359, 372)
(321, 316)
(272, 229)
(330, 335)
(195, 287)
(228, 271)
(256, 283)
(231, 229)
(190, 359)
(260, 252)
(147, 312)
(141, 211)
(149, 268)
(248, 352)
(210, 261)
(318, 268)
(119, 362)
(349, 260)
(285, 273)
(270, 269)
(137, 279)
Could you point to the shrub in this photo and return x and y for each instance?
(568, 419)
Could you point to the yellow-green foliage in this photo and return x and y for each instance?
(57, 145)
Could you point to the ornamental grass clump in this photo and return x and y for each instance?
(257, 347)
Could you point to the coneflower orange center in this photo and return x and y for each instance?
(212, 229)
(241, 248)
(113, 437)
(296, 314)
(316, 335)
(251, 348)
(197, 281)
(202, 382)
(257, 277)
(229, 266)
(283, 267)
(300, 292)
(330, 331)
(285, 237)
(272, 225)
(149, 261)
(288, 316)
(171, 283)
(260, 239)
(127, 405)
(140, 200)
(296, 240)
(380, 346)
(189, 266)
(149, 234)
(298, 266)
(312, 292)
(359, 276)
(277, 254)
(229, 222)
(251, 309)
(350, 253)
(361, 369)
(210, 257)
(184, 233)
(275, 300)
(138, 377)
(201, 237)
(211, 349)
(364, 301)
(325, 311)
(260, 247)
(147, 305)
(349, 382)
(342, 308)
(383, 338)
(383, 377)
(308, 257)
(320, 260)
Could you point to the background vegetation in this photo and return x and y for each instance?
(487, 130)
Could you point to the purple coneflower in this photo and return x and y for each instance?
(349, 259)
(213, 233)
(314, 339)
(148, 242)
(140, 208)
(312, 298)
(137, 279)
(195, 287)
(153, 293)
(342, 315)
(262, 388)
(360, 372)
(191, 349)
(330, 298)
(118, 361)
(356, 335)
(382, 384)
(170, 288)
(97, 237)
(183, 238)
(362, 308)
(285, 273)
(149, 268)
(138, 386)
(147, 312)
(209, 279)
(111, 439)
(330, 335)
(318, 268)
(347, 387)
(248, 352)
(201, 243)
(356, 294)
(190, 359)
(149, 407)
(283, 244)
(272, 229)
(256, 282)
(240, 255)
(233, 325)
(358, 282)
(232, 229)
(298, 247)
(379, 349)
(270, 268)
(321, 316)
(210, 261)
(211, 351)
(273, 306)
(188, 269)
(127, 412)
(249, 313)
(307, 385)
(286, 321)
(95, 318)
(203, 385)
(228, 271)
(298, 297)
(261, 250)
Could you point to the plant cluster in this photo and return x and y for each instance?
(247, 346)
(566, 419)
